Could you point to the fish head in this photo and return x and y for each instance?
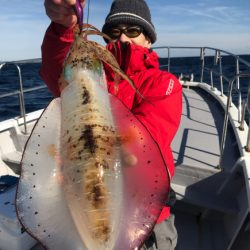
(82, 55)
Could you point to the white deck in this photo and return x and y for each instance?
(197, 142)
(208, 200)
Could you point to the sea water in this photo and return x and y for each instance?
(38, 99)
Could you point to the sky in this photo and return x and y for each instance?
(213, 23)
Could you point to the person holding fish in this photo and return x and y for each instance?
(159, 105)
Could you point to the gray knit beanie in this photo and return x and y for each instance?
(134, 12)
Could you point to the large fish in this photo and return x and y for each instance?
(92, 177)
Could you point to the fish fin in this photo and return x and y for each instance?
(146, 178)
(39, 201)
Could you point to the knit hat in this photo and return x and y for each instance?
(134, 12)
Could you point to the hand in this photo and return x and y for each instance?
(61, 11)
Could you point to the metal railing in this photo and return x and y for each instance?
(19, 92)
(216, 69)
(246, 106)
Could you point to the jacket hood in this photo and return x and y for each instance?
(133, 58)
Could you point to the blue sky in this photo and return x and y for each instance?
(215, 23)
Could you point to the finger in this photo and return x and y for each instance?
(130, 160)
(66, 3)
(63, 2)
(66, 21)
(70, 2)
(73, 2)
(65, 18)
(60, 13)
(57, 6)
(52, 11)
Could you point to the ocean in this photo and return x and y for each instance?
(9, 81)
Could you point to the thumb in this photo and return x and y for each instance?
(83, 2)
(70, 2)
(128, 158)
(73, 2)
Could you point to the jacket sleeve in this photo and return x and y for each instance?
(160, 112)
(55, 46)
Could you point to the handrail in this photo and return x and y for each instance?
(20, 93)
(17, 92)
(225, 124)
(217, 70)
(241, 60)
(21, 97)
(213, 71)
(248, 109)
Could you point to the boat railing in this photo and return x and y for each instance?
(233, 79)
(246, 105)
(20, 92)
(214, 69)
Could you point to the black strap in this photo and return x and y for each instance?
(171, 198)
(151, 241)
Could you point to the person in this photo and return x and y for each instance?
(129, 25)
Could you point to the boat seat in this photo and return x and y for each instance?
(200, 186)
(205, 199)
(13, 160)
(13, 157)
(18, 137)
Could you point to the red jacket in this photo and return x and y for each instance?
(141, 64)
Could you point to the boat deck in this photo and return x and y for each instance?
(206, 196)
(197, 142)
(202, 188)
(197, 132)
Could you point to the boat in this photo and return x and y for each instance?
(211, 151)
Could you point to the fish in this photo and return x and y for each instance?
(92, 177)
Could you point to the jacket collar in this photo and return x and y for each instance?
(133, 58)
